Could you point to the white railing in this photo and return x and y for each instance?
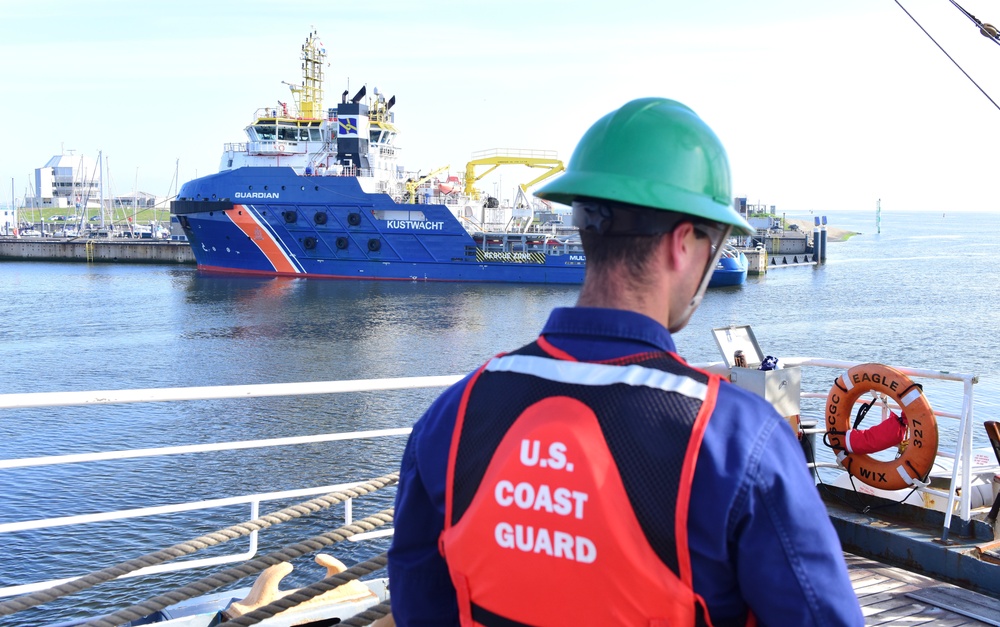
(960, 450)
(153, 395)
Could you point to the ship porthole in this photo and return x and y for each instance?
(309, 243)
(320, 217)
(289, 216)
(354, 219)
(341, 243)
(374, 245)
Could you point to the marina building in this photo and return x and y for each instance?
(67, 181)
(7, 223)
(74, 182)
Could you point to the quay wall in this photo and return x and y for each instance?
(96, 250)
(163, 251)
(756, 261)
(759, 261)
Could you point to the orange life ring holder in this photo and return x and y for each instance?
(919, 449)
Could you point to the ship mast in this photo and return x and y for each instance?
(309, 95)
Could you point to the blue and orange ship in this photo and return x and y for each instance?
(321, 194)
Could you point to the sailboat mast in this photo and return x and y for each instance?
(135, 199)
(100, 182)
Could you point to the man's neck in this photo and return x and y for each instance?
(612, 291)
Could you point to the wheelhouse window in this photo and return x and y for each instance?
(265, 132)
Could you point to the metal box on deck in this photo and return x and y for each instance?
(779, 387)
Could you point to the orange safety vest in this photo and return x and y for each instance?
(542, 526)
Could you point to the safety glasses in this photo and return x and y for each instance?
(717, 235)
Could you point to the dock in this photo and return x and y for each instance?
(110, 250)
(894, 596)
(759, 261)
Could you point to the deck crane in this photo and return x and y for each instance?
(411, 185)
(522, 214)
(496, 158)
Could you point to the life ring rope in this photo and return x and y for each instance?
(919, 449)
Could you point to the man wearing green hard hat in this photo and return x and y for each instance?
(593, 476)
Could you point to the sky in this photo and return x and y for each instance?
(822, 105)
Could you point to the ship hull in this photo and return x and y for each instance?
(730, 271)
(272, 221)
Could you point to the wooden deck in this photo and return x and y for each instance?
(893, 596)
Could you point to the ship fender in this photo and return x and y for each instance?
(320, 217)
(374, 245)
(918, 450)
(354, 219)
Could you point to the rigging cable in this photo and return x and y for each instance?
(986, 30)
(946, 52)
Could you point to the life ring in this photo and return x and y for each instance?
(281, 147)
(919, 448)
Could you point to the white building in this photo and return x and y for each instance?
(67, 181)
(7, 224)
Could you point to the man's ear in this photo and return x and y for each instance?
(678, 243)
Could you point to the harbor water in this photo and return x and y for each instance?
(921, 293)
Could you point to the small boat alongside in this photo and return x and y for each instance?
(732, 268)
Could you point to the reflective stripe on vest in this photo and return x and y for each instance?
(586, 373)
(549, 519)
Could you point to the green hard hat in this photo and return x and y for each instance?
(654, 153)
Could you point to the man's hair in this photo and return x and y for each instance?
(632, 252)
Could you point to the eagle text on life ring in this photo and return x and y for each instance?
(915, 463)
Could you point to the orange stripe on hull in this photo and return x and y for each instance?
(259, 236)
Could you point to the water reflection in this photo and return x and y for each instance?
(918, 294)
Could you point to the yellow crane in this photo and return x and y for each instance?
(496, 158)
(413, 184)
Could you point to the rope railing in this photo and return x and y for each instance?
(306, 508)
(369, 616)
(253, 567)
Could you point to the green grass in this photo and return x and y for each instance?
(120, 216)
